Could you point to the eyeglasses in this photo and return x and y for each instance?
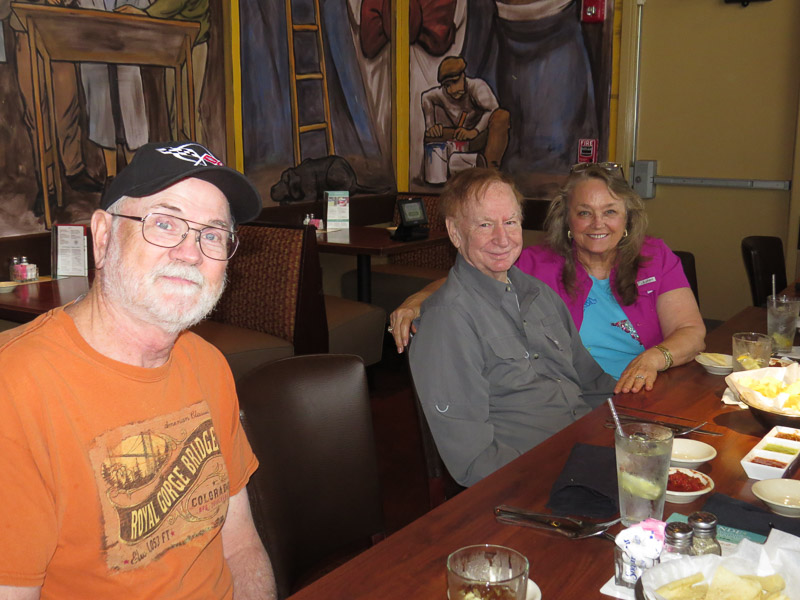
(167, 231)
(611, 167)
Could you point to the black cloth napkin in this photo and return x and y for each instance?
(587, 485)
(741, 515)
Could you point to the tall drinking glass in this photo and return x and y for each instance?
(782, 312)
(487, 572)
(643, 453)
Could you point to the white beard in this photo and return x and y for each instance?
(173, 307)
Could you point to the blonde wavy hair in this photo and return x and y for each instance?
(628, 259)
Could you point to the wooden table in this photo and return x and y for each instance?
(366, 242)
(56, 33)
(30, 300)
(411, 562)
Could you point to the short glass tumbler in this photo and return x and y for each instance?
(487, 571)
(750, 350)
(643, 454)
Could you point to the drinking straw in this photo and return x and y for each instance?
(616, 417)
(774, 297)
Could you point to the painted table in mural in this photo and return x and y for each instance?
(56, 33)
(366, 242)
(30, 300)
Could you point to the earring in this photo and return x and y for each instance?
(569, 234)
(626, 233)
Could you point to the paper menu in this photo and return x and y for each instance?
(337, 206)
(70, 252)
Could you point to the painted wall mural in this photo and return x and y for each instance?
(101, 113)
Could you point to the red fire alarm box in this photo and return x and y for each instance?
(587, 150)
(593, 11)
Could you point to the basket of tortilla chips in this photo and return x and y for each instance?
(753, 572)
(773, 394)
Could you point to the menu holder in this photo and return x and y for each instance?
(69, 251)
(337, 206)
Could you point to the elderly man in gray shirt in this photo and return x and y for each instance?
(497, 361)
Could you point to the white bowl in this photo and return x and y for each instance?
(686, 497)
(690, 454)
(7, 286)
(714, 368)
(782, 496)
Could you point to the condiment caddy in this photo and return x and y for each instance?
(774, 454)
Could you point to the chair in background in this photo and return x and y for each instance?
(315, 496)
(763, 257)
(272, 306)
(690, 270)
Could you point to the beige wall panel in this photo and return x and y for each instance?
(719, 99)
(711, 223)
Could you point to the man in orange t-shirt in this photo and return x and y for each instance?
(122, 461)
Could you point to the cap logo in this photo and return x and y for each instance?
(188, 153)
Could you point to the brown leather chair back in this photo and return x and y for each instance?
(275, 286)
(315, 496)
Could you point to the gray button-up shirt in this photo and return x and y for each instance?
(499, 367)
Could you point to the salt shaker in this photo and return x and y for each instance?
(677, 541)
(307, 219)
(704, 533)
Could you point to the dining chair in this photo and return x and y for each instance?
(763, 257)
(315, 497)
(690, 270)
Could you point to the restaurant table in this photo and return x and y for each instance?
(29, 300)
(411, 562)
(365, 242)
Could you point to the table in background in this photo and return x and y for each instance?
(366, 242)
(30, 300)
(411, 562)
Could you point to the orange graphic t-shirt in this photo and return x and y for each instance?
(117, 478)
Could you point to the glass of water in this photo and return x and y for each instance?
(782, 312)
(643, 454)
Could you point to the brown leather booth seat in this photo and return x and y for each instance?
(244, 349)
(355, 328)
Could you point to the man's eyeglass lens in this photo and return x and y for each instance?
(168, 231)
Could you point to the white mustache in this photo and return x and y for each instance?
(187, 272)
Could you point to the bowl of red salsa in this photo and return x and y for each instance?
(687, 485)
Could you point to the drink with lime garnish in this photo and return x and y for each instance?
(782, 314)
(643, 454)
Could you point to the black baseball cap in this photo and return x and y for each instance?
(158, 165)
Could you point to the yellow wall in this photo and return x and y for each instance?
(719, 99)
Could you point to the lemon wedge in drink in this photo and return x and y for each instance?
(639, 486)
(782, 341)
(748, 362)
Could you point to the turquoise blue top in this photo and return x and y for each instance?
(606, 332)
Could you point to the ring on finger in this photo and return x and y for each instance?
(639, 377)
(390, 329)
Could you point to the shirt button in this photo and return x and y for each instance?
(558, 380)
(508, 288)
(574, 413)
(536, 355)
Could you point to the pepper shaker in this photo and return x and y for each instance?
(704, 532)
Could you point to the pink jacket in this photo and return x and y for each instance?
(662, 273)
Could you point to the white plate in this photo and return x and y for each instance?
(532, 591)
(713, 367)
(7, 286)
(690, 454)
(686, 497)
(782, 496)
